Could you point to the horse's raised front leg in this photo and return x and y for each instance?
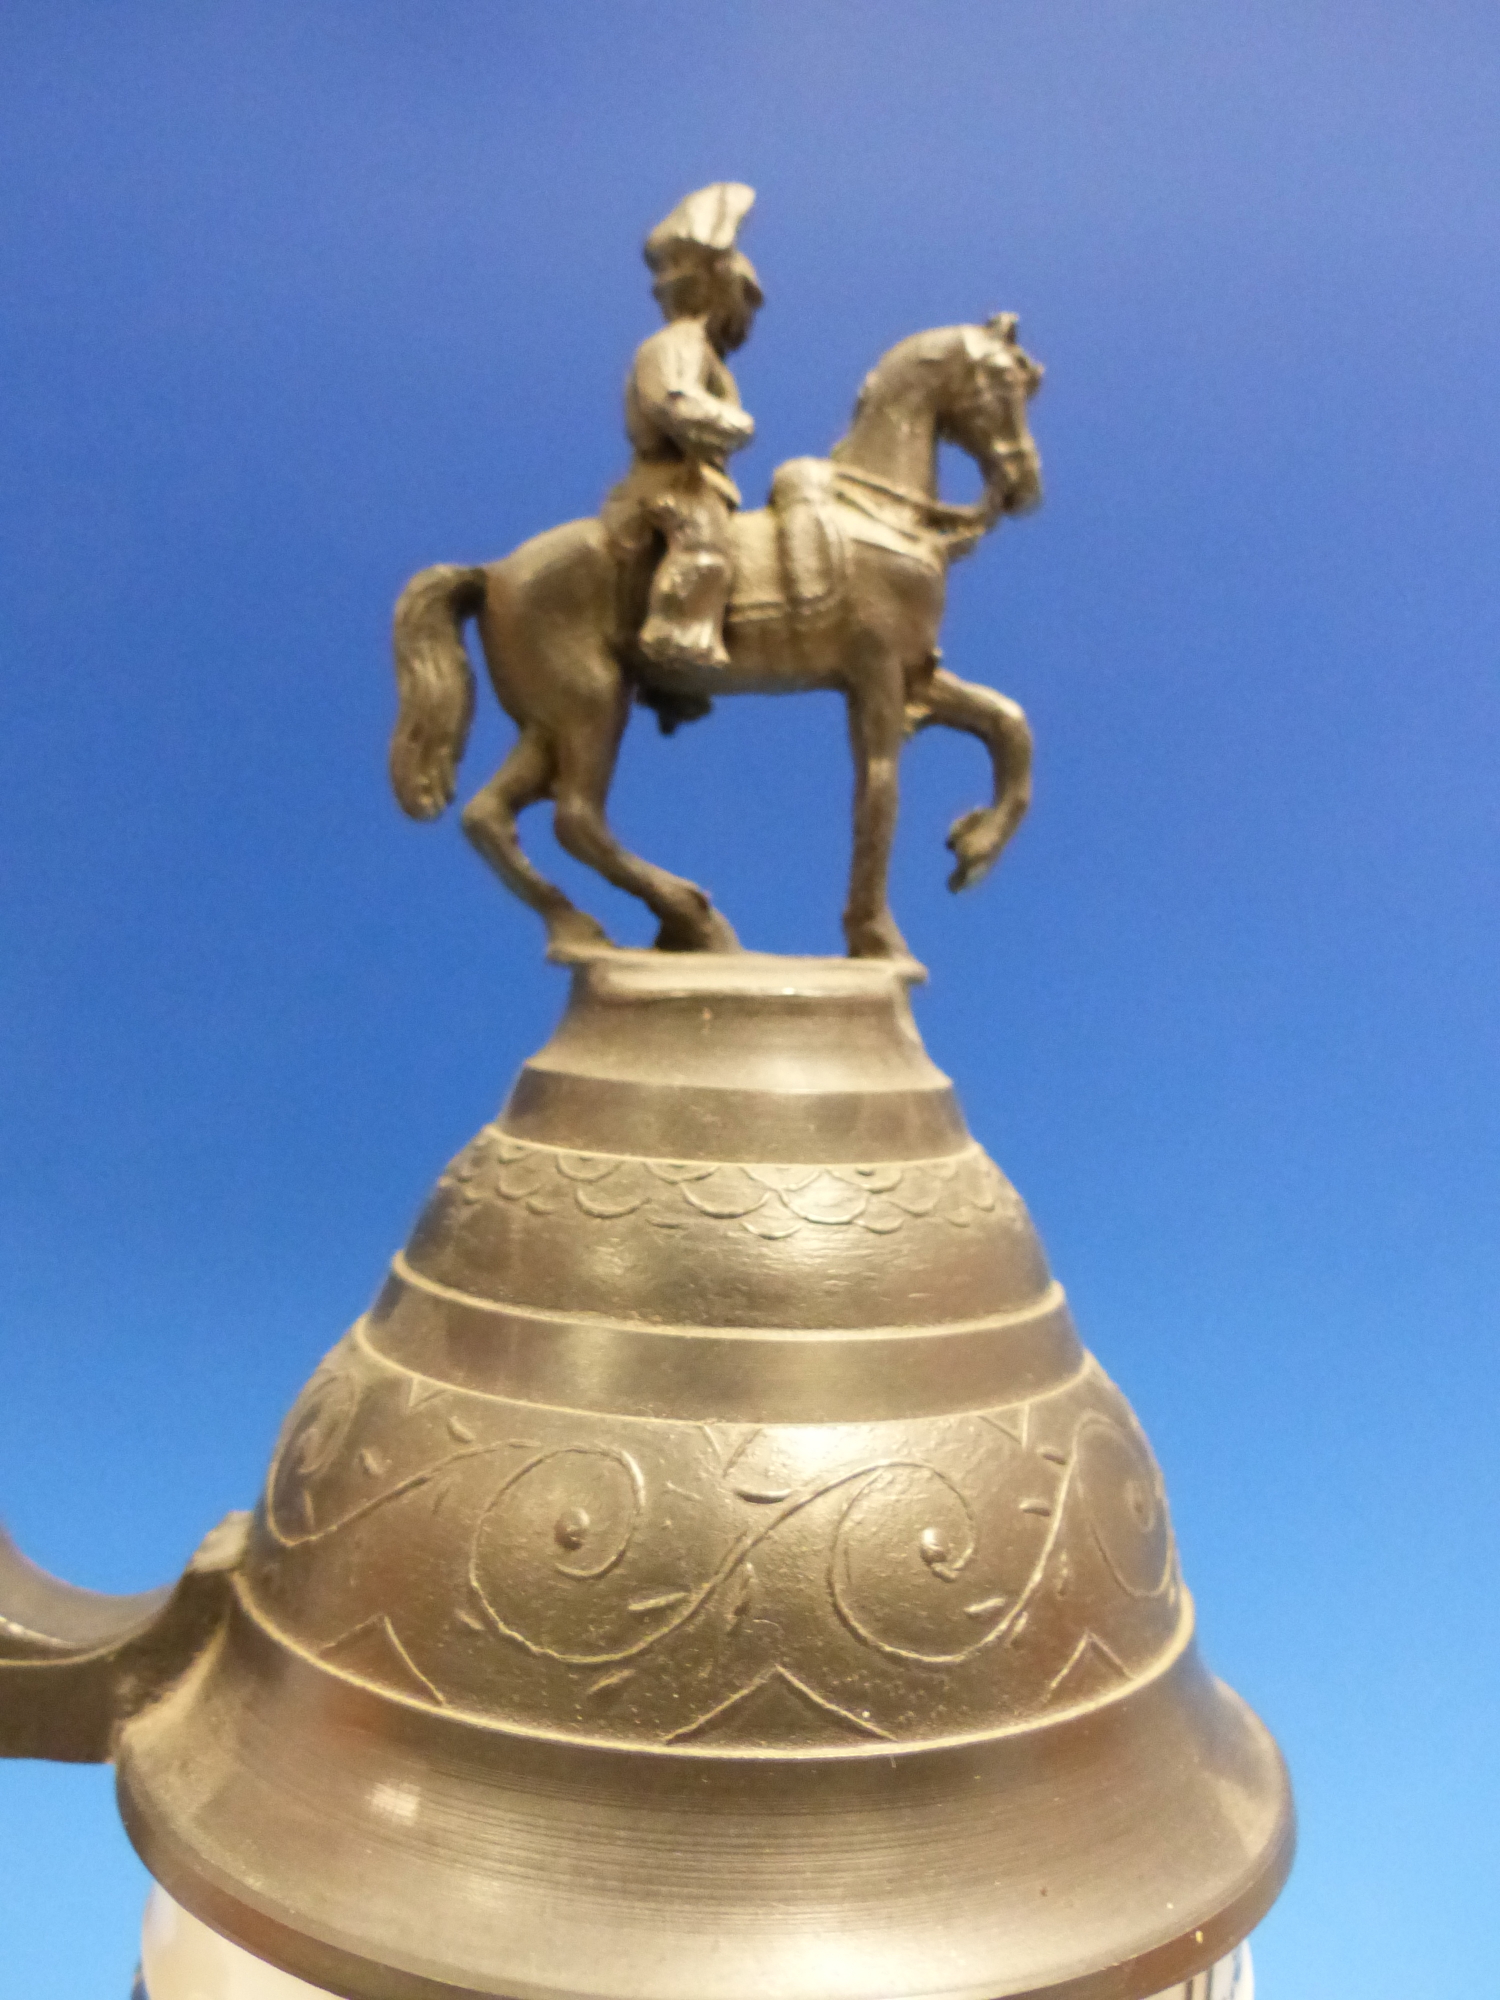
(585, 767)
(978, 837)
(876, 729)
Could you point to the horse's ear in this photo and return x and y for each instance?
(1003, 326)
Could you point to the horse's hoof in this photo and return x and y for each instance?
(968, 829)
(720, 934)
(877, 939)
(975, 841)
(972, 868)
(575, 935)
(706, 931)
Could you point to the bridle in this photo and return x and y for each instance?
(958, 525)
(940, 514)
(952, 520)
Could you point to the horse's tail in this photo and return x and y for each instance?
(436, 686)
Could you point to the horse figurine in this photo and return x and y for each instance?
(839, 584)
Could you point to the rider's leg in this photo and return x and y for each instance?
(685, 615)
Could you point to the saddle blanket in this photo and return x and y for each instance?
(792, 558)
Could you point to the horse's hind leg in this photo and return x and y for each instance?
(489, 820)
(977, 838)
(586, 764)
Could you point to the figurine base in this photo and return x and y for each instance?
(182, 1959)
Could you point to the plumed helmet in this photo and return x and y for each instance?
(708, 220)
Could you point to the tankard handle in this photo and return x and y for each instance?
(75, 1664)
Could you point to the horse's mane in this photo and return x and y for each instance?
(935, 344)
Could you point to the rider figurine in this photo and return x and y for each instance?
(683, 418)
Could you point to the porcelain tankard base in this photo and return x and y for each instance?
(182, 1959)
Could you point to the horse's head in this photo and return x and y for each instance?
(966, 385)
(989, 382)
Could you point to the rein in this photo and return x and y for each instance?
(939, 512)
(945, 517)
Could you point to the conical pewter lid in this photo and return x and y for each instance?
(715, 1569)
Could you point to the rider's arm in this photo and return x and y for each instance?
(669, 382)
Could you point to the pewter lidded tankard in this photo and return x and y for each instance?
(713, 1567)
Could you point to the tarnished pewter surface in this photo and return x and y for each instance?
(651, 1604)
(673, 597)
(712, 1569)
(75, 1665)
(642, 1580)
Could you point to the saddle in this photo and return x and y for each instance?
(791, 564)
(791, 559)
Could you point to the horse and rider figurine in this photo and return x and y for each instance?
(675, 595)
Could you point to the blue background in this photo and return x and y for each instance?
(300, 298)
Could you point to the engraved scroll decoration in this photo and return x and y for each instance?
(551, 1530)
